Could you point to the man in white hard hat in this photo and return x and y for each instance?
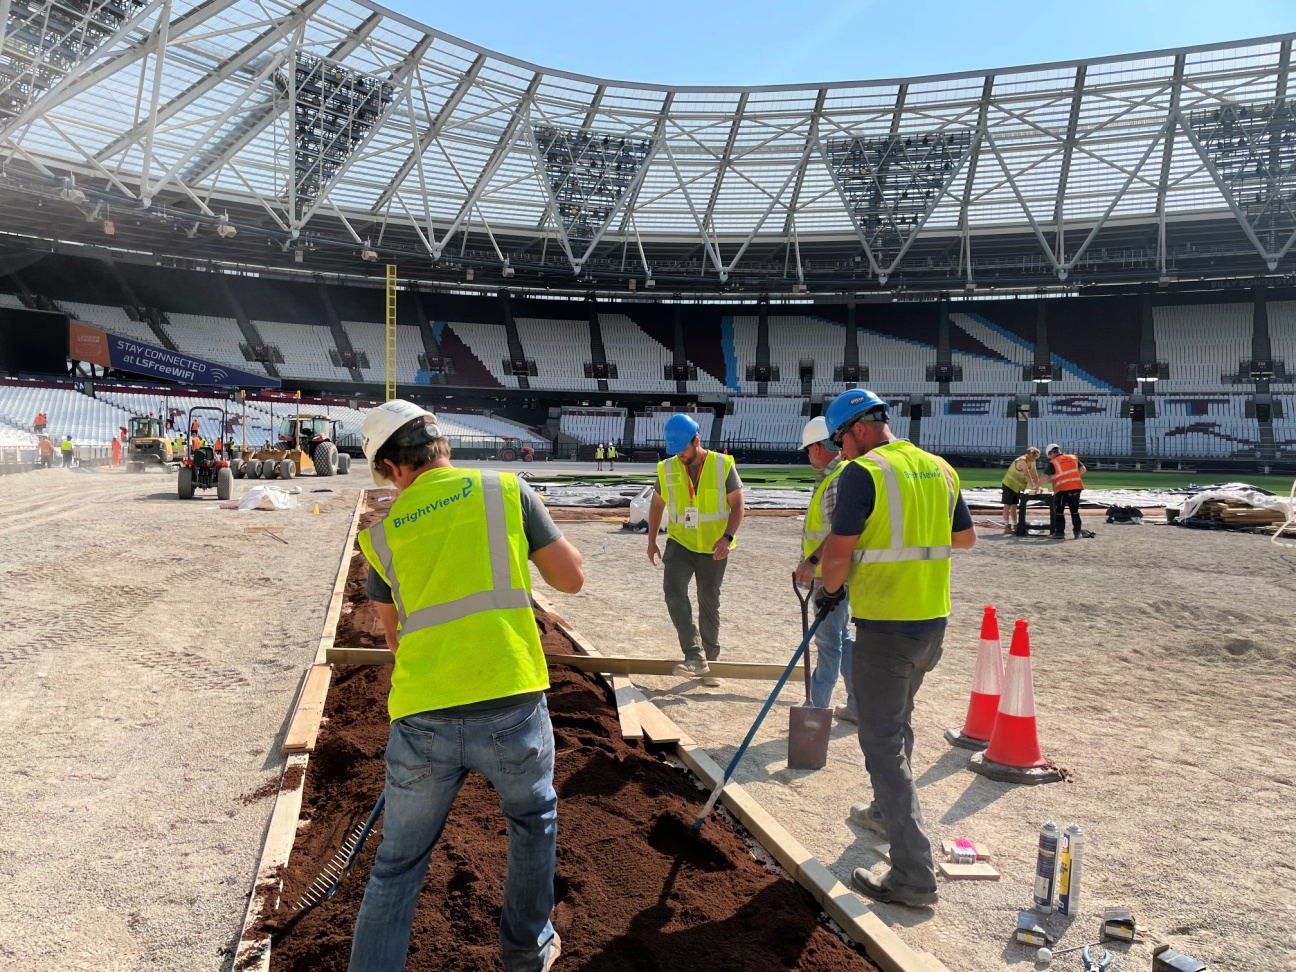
(449, 577)
(833, 640)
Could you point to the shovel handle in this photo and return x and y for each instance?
(805, 626)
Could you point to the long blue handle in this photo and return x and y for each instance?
(360, 842)
(751, 733)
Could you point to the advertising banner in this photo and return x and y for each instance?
(94, 346)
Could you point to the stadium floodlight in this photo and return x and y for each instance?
(369, 253)
(507, 271)
(649, 282)
(70, 192)
(225, 229)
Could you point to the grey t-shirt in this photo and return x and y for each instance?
(540, 532)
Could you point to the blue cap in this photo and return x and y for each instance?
(849, 405)
(679, 432)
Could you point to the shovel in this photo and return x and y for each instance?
(808, 727)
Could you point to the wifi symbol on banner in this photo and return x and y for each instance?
(219, 374)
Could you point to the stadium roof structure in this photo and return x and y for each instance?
(331, 135)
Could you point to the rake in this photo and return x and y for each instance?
(326, 884)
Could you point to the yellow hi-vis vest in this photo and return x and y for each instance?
(900, 568)
(598, 453)
(815, 530)
(454, 552)
(1014, 478)
(710, 499)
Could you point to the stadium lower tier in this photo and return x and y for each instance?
(1174, 427)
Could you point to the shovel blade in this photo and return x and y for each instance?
(808, 732)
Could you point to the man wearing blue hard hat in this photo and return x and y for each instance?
(701, 495)
(898, 516)
(833, 640)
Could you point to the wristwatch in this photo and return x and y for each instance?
(813, 560)
(729, 537)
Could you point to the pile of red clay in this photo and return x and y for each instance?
(635, 887)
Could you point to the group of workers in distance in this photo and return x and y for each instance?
(1063, 473)
(609, 453)
(449, 576)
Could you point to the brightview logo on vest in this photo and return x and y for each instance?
(438, 504)
(921, 475)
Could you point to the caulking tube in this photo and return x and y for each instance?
(1046, 868)
(1071, 868)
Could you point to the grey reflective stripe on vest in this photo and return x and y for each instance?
(501, 597)
(673, 517)
(895, 510)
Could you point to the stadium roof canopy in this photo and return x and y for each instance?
(336, 134)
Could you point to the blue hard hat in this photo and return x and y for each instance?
(679, 432)
(850, 405)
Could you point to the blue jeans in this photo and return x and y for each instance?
(833, 643)
(427, 760)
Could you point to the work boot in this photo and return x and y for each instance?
(868, 815)
(691, 668)
(879, 889)
(1075, 534)
(710, 681)
(1009, 529)
(555, 950)
(845, 714)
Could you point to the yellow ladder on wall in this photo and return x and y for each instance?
(391, 331)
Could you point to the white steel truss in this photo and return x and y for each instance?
(336, 121)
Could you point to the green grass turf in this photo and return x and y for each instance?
(802, 477)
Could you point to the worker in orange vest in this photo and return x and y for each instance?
(46, 449)
(116, 452)
(1063, 474)
(41, 422)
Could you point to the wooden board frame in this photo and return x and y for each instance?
(882, 945)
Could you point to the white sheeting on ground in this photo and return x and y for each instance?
(1256, 498)
(265, 498)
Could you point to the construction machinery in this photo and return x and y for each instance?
(147, 443)
(304, 441)
(513, 449)
(202, 468)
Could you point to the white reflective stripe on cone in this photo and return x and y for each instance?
(1018, 698)
(989, 669)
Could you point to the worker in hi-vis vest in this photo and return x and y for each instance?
(612, 457)
(833, 640)
(899, 515)
(1063, 474)
(598, 456)
(448, 575)
(701, 496)
(1021, 476)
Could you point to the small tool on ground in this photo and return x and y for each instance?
(1046, 955)
(1092, 964)
(751, 733)
(326, 885)
(808, 727)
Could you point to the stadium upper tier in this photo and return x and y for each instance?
(330, 135)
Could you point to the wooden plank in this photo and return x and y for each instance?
(624, 665)
(659, 728)
(308, 709)
(980, 871)
(359, 656)
(253, 954)
(304, 728)
(624, 692)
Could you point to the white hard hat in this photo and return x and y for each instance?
(382, 422)
(1053, 447)
(816, 430)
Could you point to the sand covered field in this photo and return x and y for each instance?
(1165, 680)
(149, 652)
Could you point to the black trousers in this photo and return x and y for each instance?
(1061, 501)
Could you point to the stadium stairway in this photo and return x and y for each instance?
(627, 437)
(339, 336)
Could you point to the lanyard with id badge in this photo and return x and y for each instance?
(691, 518)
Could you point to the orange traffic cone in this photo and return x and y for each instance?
(1013, 755)
(987, 684)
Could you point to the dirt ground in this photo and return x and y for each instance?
(148, 654)
(1165, 681)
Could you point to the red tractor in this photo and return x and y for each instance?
(513, 449)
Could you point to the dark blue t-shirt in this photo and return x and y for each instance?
(856, 497)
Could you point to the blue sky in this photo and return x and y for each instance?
(779, 41)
